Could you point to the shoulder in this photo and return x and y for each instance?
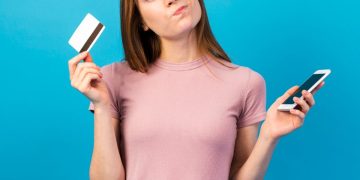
(241, 80)
(254, 77)
(256, 85)
(250, 75)
(113, 73)
(116, 68)
(238, 72)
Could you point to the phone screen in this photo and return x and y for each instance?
(306, 86)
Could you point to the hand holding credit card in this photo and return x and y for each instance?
(89, 82)
(86, 34)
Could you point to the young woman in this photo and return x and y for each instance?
(177, 108)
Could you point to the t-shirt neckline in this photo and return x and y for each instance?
(182, 66)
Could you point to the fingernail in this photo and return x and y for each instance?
(295, 98)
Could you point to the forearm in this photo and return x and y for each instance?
(256, 165)
(106, 161)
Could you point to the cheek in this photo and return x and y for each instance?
(196, 12)
(162, 25)
(154, 18)
(194, 17)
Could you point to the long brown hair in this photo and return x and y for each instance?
(142, 48)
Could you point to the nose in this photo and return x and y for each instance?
(170, 2)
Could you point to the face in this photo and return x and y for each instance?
(163, 17)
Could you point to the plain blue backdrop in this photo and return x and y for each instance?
(46, 131)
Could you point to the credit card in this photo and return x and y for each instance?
(86, 33)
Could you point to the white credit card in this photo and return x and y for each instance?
(86, 34)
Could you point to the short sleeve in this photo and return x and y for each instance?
(254, 102)
(109, 79)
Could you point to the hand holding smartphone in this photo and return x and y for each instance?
(309, 85)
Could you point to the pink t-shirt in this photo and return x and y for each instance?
(178, 121)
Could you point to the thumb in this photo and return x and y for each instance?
(291, 91)
(88, 58)
(287, 94)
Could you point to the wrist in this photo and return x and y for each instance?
(102, 112)
(265, 135)
(268, 140)
(104, 105)
(104, 102)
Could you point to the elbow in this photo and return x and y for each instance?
(96, 174)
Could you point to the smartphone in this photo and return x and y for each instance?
(310, 84)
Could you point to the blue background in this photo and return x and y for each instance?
(46, 131)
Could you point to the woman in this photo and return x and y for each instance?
(177, 108)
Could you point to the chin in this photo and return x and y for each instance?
(183, 28)
(186, 26)
(178, 34)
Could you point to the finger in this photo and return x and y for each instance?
(82, 66)
(76, 79)
(287, 94)
(292, 90)
(308, 98)
(298, 113)
(304, 106)
(318, 87)
(89, 70)
(88, 58)
(297, 122)
(84, 86)
(72, 63)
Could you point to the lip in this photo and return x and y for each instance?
(179, 10)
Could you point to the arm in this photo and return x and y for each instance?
(276, 125)
(106, 161)
(87, 78)
(252, 154)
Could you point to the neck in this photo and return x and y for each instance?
(180, 50)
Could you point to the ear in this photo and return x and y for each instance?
(145, 27)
